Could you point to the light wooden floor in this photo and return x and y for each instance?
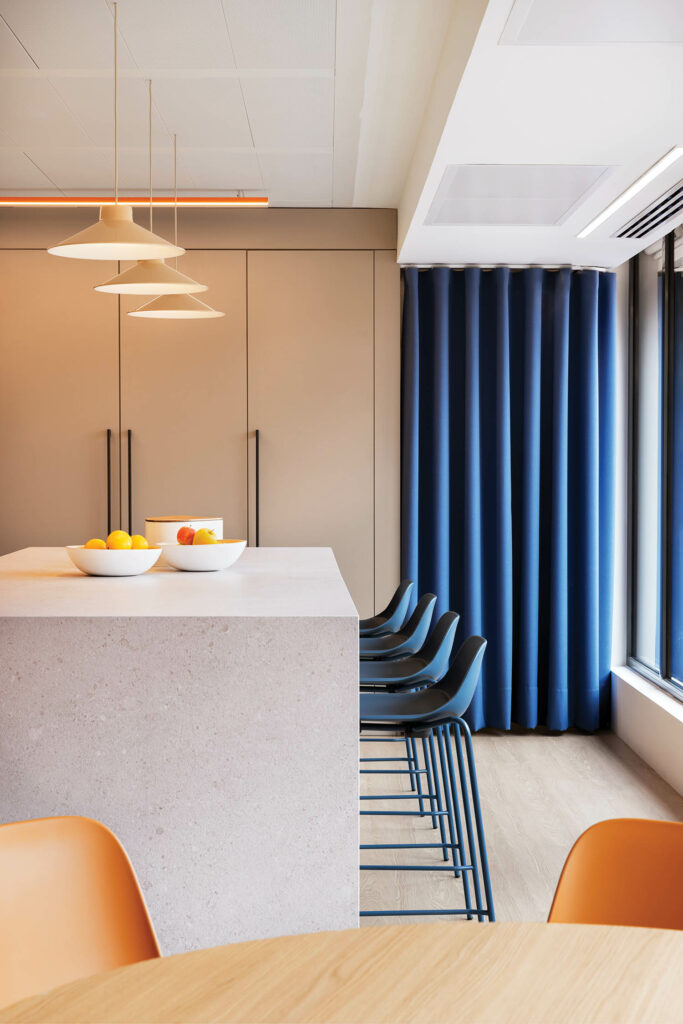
(538, 794)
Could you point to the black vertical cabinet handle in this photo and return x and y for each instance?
(257, 436)
(130, 482)
(108, 481)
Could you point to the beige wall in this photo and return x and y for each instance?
(155, 377)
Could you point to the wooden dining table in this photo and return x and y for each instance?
(402, 973)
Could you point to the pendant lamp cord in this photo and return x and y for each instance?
(116, 106)
(150, 153)
(175, 196)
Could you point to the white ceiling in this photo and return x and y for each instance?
(497, 128)
(247, 85)
(548, 83)
(315, 102)
(587, 22)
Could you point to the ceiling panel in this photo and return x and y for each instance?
(75, 167)
(91, 100)
(12, 53)
(282, 33)
(134, 170)
(222, 170)
(290, 113)
(586, 22)
(298, 177)
(176, 33)
(18, 173)
(92, 169)
(32, 114)
(70, 34)
(204, 111)
(28, 192)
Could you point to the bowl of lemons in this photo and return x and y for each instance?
(202, 551)
(119, 555)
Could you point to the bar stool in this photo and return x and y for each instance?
(427, 666)
(393, 616)
(429, 715)
(407, 641)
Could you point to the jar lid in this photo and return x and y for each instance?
(179, 519)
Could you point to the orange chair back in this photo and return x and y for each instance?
(625, 871)
(70, 905)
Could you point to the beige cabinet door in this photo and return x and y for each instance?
(183, 397)
(58, 398)
(311, 399)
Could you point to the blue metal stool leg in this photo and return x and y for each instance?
(461, 724)
(467, 810)
(457, 857)
(410, 763)
(418, 780)
(430, 784)
(456, 813)
(437, 792)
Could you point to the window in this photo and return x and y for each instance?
(656, 460)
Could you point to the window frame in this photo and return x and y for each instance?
(663, 678)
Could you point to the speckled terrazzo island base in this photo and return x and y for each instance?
(209, 719)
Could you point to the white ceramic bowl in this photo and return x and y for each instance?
(204, 557)
(103, 562)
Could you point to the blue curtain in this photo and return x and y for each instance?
(508, 479)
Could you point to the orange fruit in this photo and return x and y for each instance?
(119, 540)
(205, 537)
(95, 543)
(138, 541)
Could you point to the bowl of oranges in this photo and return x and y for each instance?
(118, 555)
(202, 551)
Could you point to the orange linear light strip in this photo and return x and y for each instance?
(188, 201)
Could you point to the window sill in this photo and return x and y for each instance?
(650, 721)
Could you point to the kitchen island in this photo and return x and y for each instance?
(209, 719)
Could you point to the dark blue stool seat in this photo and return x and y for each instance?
(427, 666)
(407, 641)
(393, 616)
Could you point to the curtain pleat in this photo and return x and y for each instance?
(508, 479)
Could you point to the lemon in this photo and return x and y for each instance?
(138, 541)
(95, 543)
(205, 537)
(119, 540)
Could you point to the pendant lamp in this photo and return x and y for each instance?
(116, 236)
(176, 306)
(150, 277)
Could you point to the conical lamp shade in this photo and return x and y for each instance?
(116, 236)
(176, 307)
(151, 277)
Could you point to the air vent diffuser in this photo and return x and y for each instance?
(510, 194)
(658, 212)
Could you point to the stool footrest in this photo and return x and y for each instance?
(409, 846)
(424, 913)
(401, 796)
(415, 867)
(411, 814)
